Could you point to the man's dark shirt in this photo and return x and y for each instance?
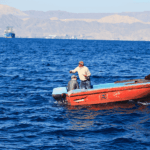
(72, 84)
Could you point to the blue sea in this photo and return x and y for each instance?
(30, 119)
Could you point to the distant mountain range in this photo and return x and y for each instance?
(103, 26)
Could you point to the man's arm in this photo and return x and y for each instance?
(74, 71)
(77, 85)
(88, 73)
(68, 87)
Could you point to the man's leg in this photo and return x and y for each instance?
(82, 85)
(88, 84)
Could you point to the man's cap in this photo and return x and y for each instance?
(81, 62)
(73, 76)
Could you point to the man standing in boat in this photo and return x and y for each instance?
(84, 75)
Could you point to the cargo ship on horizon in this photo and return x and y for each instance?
(9, 33)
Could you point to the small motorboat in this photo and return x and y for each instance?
(105, 93)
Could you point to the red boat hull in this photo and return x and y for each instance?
(98, 96)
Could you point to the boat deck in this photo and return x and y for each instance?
(102, 86)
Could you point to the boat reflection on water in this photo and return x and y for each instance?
(82, 117)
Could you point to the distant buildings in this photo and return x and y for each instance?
(51, 37)
(66, 36)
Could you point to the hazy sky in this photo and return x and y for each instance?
(81, 6)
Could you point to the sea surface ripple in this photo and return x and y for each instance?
(30, 119)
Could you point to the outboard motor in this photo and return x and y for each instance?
(59, 93)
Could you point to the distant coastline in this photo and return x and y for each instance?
(64, 25)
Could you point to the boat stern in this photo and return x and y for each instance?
(59, 93)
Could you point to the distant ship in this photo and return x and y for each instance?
(9, 33)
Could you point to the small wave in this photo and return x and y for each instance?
(109, 130)
(123, 140)
(15, 77)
